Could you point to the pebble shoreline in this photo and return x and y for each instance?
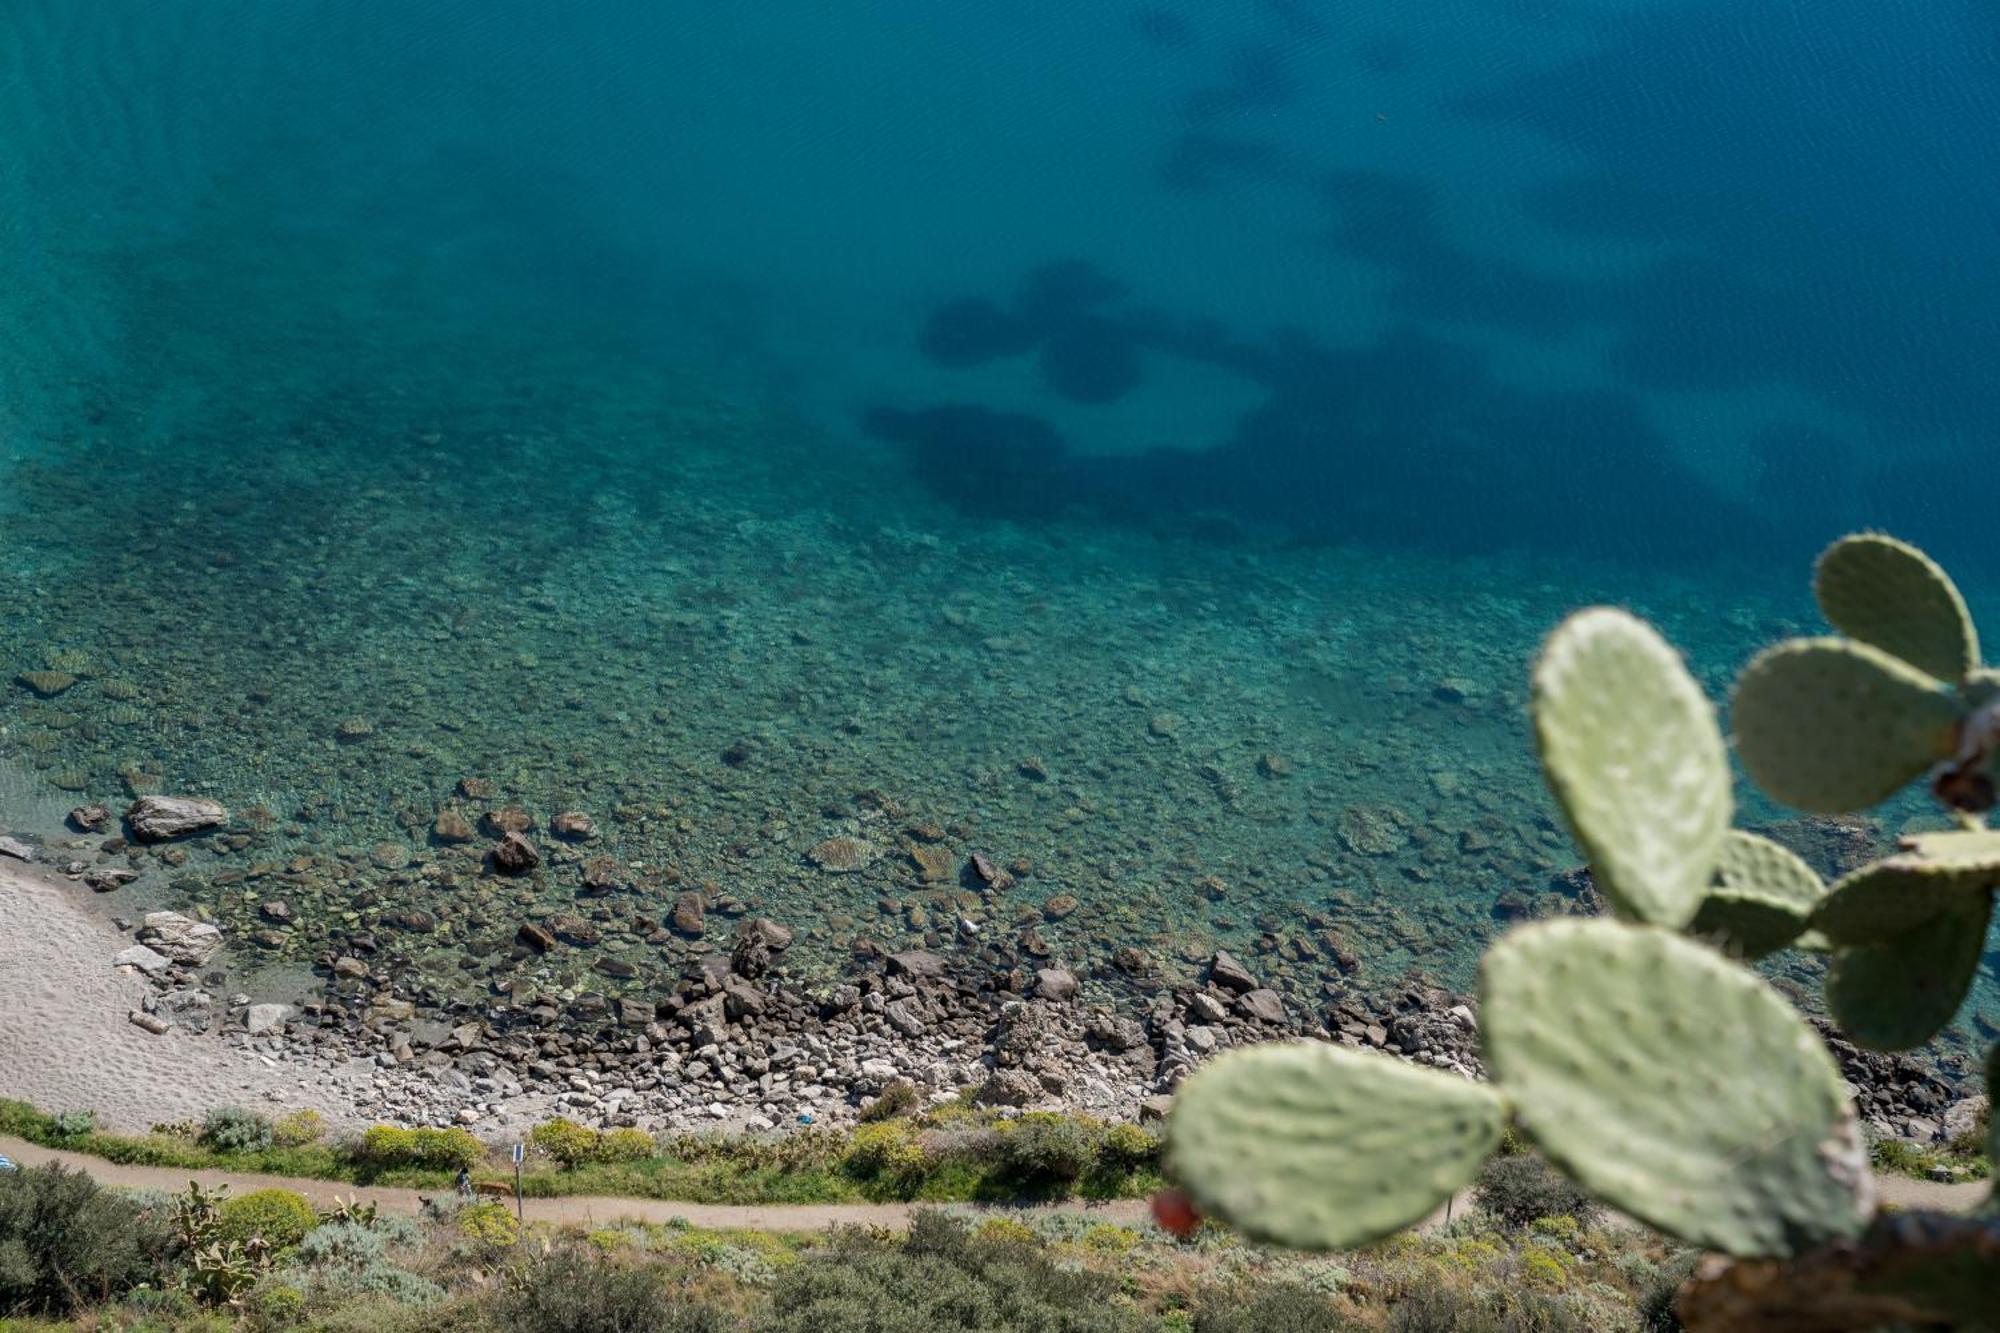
(739, 1045)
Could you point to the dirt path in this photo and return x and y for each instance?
(584, 1210)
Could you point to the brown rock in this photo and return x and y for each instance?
(515, 855)
(689, 917)
(475, 789)
(389, 855)
(573, 826)
(601, 874)
(536, 937)
(933, 863)
(512, 819)
(616, 967)
(841, 855)
(349, 967)
(451, 826)
(90, 818)
(1263, 1006)
(48, 684)
(1058, 907)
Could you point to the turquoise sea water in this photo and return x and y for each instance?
(1140, 443)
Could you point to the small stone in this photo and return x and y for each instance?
(263, 1017)
(1154, 1109)
(841, 855)
(276, 911)
(451, 826)
(689, 917)
(90, 818)
(475, 789)
(1226, 972)
(536, 937)
(152, 1023)
(349, 967)
(917, 964)
(108, 879)
(933, 863)
(48, 684)
(1274, 765)
(157, 818)
(1055, 983)
(602, 874)
(354, 729)
(512, 819)
(1374, 830)
(573, 826)
(1058, 907)
(515, 855)
(1263, 1006)
(389, 855)
(150, 961)
(616, 967)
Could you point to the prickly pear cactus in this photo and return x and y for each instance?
(1633, 754)
(1675, 1085)
(1317, 1146)
(1890, 594)
(1898, 991)
(1936, 873)
(1827, 725)
(1762, 897)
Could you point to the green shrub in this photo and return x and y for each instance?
(625, 1145)
(1043, 1148)
(273, 1305)
(1656, 1301)
(577, 1291)
(1440, 1308)
(233, 1129)
(1516, 1190)
(941, 1277)
(65, 1243)
(1277, 1307)
(886, 1148)
(565, 1142)
(435, 1149)
(279, 1217)
(898, 1099)
(1129, 1148)
(298, 1129)
(74, 1124)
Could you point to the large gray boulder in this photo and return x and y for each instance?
(181, 938)
(158, 818)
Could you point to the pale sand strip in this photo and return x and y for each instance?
(67, 1042)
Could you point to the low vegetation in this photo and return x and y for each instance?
(952, 1154)
(99, 1259)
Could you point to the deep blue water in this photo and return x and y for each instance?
(1642, 301)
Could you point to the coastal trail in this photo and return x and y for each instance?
(585, 1210)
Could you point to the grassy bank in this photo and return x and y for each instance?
(951, 1155)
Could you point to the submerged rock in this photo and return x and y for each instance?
(573, 826)
(451, 826)
(89, 818)
(515, 855)
(158, 818)
(47, 684)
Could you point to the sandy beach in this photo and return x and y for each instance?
(67, 1042)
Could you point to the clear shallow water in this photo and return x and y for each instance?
(583, 398)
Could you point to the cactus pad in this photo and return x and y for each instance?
(1890, 594)
(1900, 991)
(1674, 1085)
(1826, 725)
(1762, 897)
(1633, 754)
(1317, 1146)
(1941, 872)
